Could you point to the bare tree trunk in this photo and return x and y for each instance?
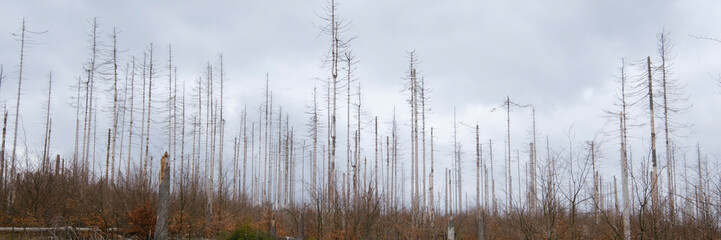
(163, 212)
(17, 103)
(480, 212)
(700, 205)
(335, 55)
(89, 100)
(430, 188)
(182, 140)
(457, 158)
(626, 212)
(77, 123)
(451, 229)
(423, 136)
(147, 124)
(493, 179)
(170, 103)
(46, 139)
(314, 133)
(445, 183)
(245, 149)
(375, 172)
(533, 160)
(221, 141)
(508, 130)
(626, 215)
(107, 158)
(115, 103)
(235, 169)
(596, 200)
(3, 163)
(348, 109)
(654, 173)
(358, 143)
(141, 158)
(265, 138)
(175, 125)
(663, 50)
(122, 123)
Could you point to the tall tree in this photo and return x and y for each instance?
(149, 110)
(114, 36)
(654, 171)
(430, 188)
(673, 105)
(46, 139)
(480, 212)
(626, 215)
(333, 27)
(141, 159)
(24, 39)
(3, 162)
(91, 69)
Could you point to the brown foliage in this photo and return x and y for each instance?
(142, 220)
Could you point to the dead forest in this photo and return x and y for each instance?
(171, 164)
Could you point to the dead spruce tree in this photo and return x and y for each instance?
(23, 36)
(333, 26)
(115, 112)
(46, 138)
(674, 104)
(147, 162)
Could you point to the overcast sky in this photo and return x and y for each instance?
(561, 56)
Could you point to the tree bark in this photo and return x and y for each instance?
(161, 224)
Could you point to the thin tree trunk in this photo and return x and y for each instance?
(46, 139)
(480, 217)
(17, 104)
(654, 173)
(115, 103)
(493, 179)
(626, 215)
(245, 149)
(148, 162)
(141, 159)
(670, 166)
(508, 130)
(423, 137)
(3, 162)
(430, 189)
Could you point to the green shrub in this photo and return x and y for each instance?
(246, 232)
